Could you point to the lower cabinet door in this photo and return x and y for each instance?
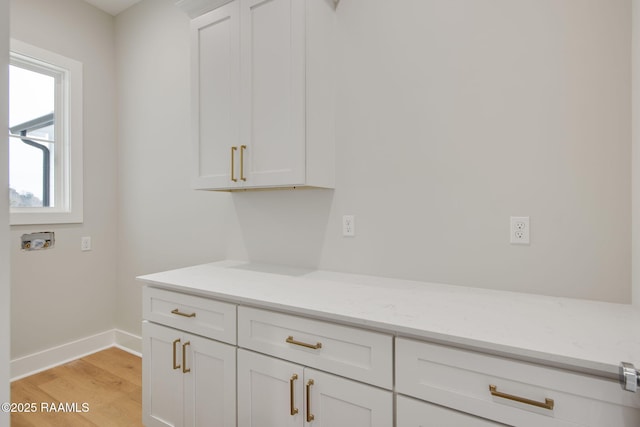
(187, 380)
(333, 401)
(276, 393)
(270, 392)
(209, 383)
(417, 413)
(162, 380)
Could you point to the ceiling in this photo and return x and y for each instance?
(112, 7)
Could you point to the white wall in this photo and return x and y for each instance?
(5, 293)
(454, 115)
(63, 294)
(162, 223)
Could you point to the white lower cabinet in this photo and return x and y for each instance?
(337, 402)
(508, 391)
(187, 380)
(417, 413)
(211, 363)
(270, 391)
(353, 353)
(277, 393)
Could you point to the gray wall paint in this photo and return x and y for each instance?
(63, 294)
(454, 115)
(5, 293)
(162, 223)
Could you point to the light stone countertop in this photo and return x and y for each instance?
(586, 336)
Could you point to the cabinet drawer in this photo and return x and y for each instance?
(354, 353)
(416, 413)
(461, 380)
(201, 316)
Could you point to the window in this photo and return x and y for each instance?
(45, 136)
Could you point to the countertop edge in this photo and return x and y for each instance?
(512, 352)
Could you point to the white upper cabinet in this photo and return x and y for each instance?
(215, 95)
(263, 94)
(272, 46)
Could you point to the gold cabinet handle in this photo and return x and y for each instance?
(179, 313)
(242, 148)
(310, 416)
(175, 364)
(294, 410)
(233, 167)
(184, 357)
(315, 346)
(547, 404)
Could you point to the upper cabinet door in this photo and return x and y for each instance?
(215, 97)
(263, 94)
(273, 91)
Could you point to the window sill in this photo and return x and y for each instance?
(45, 217)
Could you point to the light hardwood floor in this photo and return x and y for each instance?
(109, 381)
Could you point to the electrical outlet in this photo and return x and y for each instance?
(85, 243)
(349, 226)
(520, 230)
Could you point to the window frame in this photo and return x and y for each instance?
(68, 169)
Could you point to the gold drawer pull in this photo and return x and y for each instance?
(294, 410)
(310, 416)
(242, 148)
(184, 357)
(175, 364)
(179, 313)
(547, 404)
(233, 170)
(315, 346)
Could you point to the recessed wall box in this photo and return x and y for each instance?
(37, 241)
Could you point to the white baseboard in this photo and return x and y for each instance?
(46, 359)
(128, 342)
